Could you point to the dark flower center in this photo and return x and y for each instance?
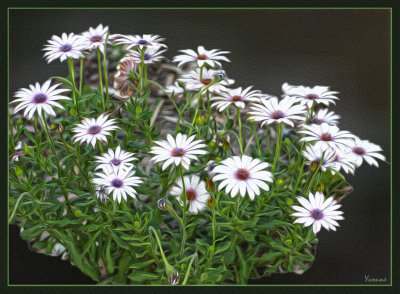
(237, 98)
(206, 81)
(177, 152)
(117, 183)
(116, 161)
(317, 121)
(40, 98)
(315, 164)
(94, 130)
(277, 114)
(202, 56)
(317, 214)
(312, 96)
(359, 150)
(326, 137)
(66, 48)
(242, 174)
(210, 202)
(190, 194)
(146, 56)
(96, 38)
(143, 42)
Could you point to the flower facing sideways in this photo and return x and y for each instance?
(196, 193)
(313, 154)
(177, 151)
(120, 183)
(91, 130)
(138, 41)
(308, 95)
(96, 38)
(202, 57)
(365, 150)
(323, 116)
(68, 46)
(194, 81)
(38, 98)
(318, 212)
(241, 175)
(152, 54)
(236, 97)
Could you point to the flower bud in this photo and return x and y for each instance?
(226, 146)
(18, 171)
(210, 202)
(72, 112)
(78, 213)
(209, 184)
(19, 121)
(162, 203)
(136, 224)
(199, 120)
(139, 110)
(320, 187)
(289, 202)
(218, 159)
(212, 145)
(280, 183)
(174, 278)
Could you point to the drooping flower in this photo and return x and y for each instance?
(68, 46)
(115, 160)
(241, 174)
(193, 81)
(126, 73)
(237, 97)
(96, 38)
(273, 111)
(196, 193)
(118, 182)
(323, 116)
(365, 150)
(177, 151)
(38, 98)
(308, 95)
(325, 135)
(147, 40)
(344, 160)
(17, 152)
(202, 57)
(175, 90)
(318, 212)
(151, 55)
(91, 130)
(313, 154)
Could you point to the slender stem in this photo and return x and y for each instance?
(189, 268)
(240, 130)
(314, 174)
(299, 178)
(183, 197)
(256, 138)
(72, 73)
(152, 230)
(278, 146)
(195, 114)
(268, 139)
(105, 69)
(101, 147)
(145, 84)
(165, 92)
(208, 113)
(100, 78)
(80, 75)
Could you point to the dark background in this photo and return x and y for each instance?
(348, 50)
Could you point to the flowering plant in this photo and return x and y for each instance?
(143, 172)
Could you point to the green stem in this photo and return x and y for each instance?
(101, 147)
(278, 146)
(72, 73)
(183, 198)
(256, 138)
(240, 130)
(189, 268)
(299, 178)
(80, 75)
(101, 78)
(105, 69)
(314, 174)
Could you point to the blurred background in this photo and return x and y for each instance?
(348, 50)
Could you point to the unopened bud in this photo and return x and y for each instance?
(218, 159)
(289, 202)
(136, 224)
(226, 146)
(320, 187)
(18, 171)
(210, 202)
(174, 278)
(78, 213)
(280, 183)
(139, 110)
(212, 145)
(19, 121)
(199, 120)
(209, 184)
(162, 203)
(72, 112)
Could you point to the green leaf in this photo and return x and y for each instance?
(118, 240)
(141, 276)
(223, 247)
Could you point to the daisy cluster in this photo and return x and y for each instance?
(217, 151)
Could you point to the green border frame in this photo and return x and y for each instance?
(227, 8)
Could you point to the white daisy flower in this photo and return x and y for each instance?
(313, 154)
(175, 89)
(91, 130)
(68, 46)
(318, 212)
(241, 174)
(196, 193)
(344, 160)
(119, 183)
(115, 160)
(271, 111)
(202, 56)
(326, 135)
(308, 95)
(365, 150)
(102, 193)
(193, 82)
(151, 55)
(17, 152)
(139, 41)
(96, 38)
(38, 98)
(235, 96)
(178, 151)
(323, 116)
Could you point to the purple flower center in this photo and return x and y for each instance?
(94, 130)
(143, 42)
(237, 98)
(178, 152)
(242, 174)
(96, 38)
(190, 194)
(116, 161)
(40, 98)
(277, 114)
(146, 56)
(65, 48)
(359, 150)
(317, 214)
(312, 96)
(326, 137)
(202, 56)
(117, 183)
